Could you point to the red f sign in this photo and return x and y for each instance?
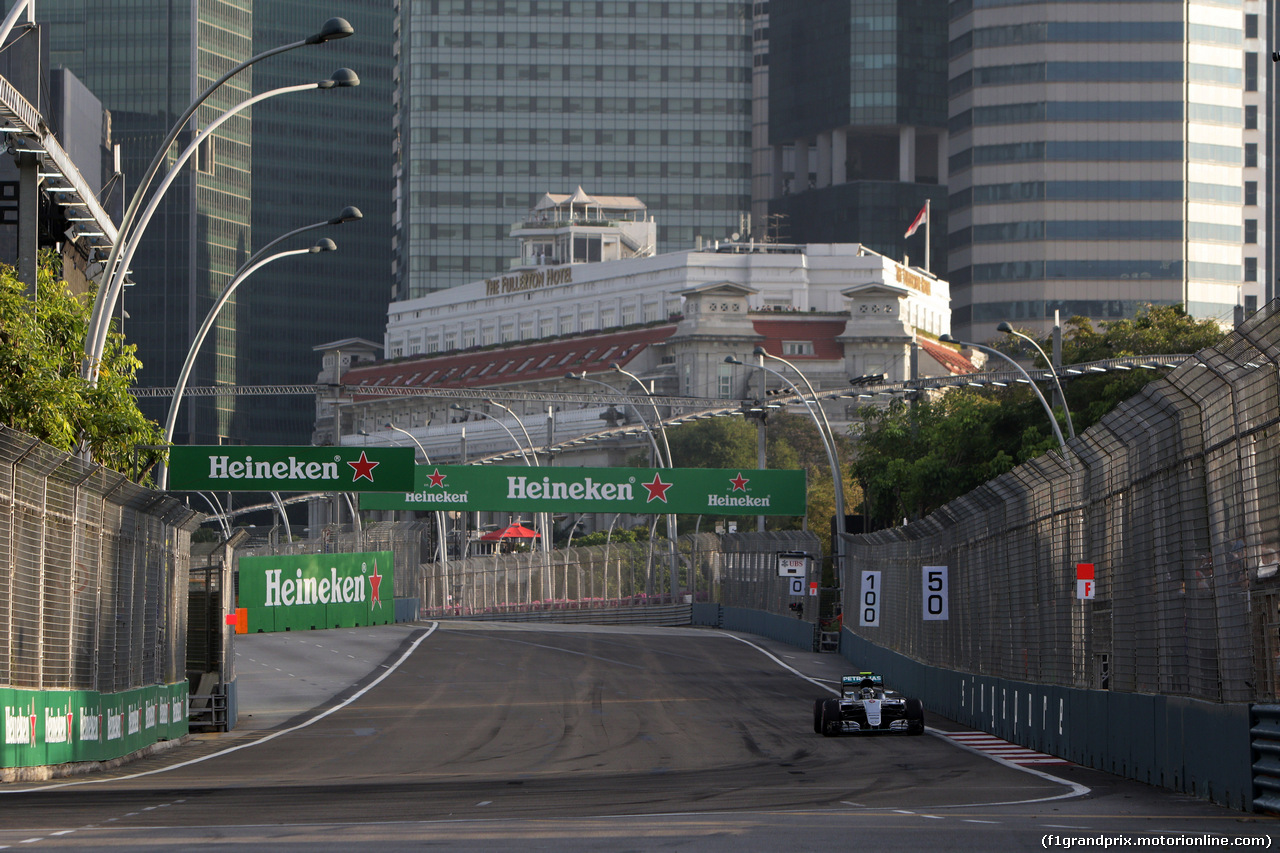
(1085, 586)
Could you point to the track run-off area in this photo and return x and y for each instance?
(485, 736)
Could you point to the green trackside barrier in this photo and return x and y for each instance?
(46, 727)
(312, 591)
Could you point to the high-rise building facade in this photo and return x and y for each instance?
(857, 121)
(1104, 156)
(314, 154)
(147, 63)
(501, 101)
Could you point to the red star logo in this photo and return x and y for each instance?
(437, 479)
(375, 583)
(739, 484)
(657, 489)
(363, 468)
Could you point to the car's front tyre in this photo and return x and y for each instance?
(831, 717)
(915, 717)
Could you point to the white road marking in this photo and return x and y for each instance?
(1075, 788)
(317, 718)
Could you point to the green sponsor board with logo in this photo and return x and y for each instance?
(692, 491)
(221, 468)
(312, 591)
(43, 727)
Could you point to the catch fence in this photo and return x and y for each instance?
(93, 574)
(1174, 497)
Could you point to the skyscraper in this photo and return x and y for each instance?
(314, 154)
(1102, 156)
(146, 66)
(500, 101)
(857, 121)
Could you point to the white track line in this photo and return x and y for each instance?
(1076, 789)
(317, 718)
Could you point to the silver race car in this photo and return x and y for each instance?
(865, 706)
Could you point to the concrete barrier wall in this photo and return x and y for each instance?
(784, 629)
(1188, 745)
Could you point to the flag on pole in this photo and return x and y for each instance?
(921, 218)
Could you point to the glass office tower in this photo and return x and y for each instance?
(147, 60)
(1103, 156)
(313, 154)
(500, 101)
(857, 121)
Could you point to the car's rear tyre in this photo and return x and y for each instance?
(831, 717)
(915, 717)
(817, 716)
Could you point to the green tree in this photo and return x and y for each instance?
(41, 392)
(791, 441)
(1155, 330)
(913, 458)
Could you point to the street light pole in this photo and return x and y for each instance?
(1010, 330)
(333, 29)
(657, 416)
(828, 446)
(440, 525)
(672, 528)
(1048, 410)
(250, 266)
(582, 377)
(96, 340)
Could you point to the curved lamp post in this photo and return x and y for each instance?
(657, 416)
(1010, 330)
(514, 440)
(582, 377)
(250, 266)
(1048, 410)
(827, 444)
(440, 526)
(96, 341)
(331, 30)
(674, 555)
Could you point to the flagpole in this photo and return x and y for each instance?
(928, 226)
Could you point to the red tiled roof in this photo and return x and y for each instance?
(954, 362)
(510, 364)
(821, 332)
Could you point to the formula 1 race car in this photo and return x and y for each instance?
(865, 706)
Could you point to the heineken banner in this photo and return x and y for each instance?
(62, 726)
(309, 591)
(221, 468)
(653, 491)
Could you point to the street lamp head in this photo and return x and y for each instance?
(947, 339)
(759, 351)
(728, 359)
(324, 244)
(572, 375)
(348, 214)
(1004, 327)
(615, 366)
(343, 78)
(389, 425)
(332, 30)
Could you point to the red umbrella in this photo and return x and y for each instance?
(515, 531)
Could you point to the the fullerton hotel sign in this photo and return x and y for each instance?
(528, 280)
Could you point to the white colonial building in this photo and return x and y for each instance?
(836, 311)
